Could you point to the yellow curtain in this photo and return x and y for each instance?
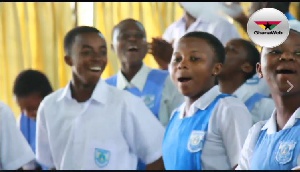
(31, 36)
(155, 16)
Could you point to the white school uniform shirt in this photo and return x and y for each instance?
(170, 100)
(14, 149)
(113, 123)
(227, 129)
(271, 127)
(262, 109)
(261, 87)
(219, 27)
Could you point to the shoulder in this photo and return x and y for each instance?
(267, 100)
(121, 97)
(265, 104)
(231, 102)
(158, 72)
(5, 111)
(175, 24)
(220, 20)
(230, 108)
(52, 97)
(4, 108)
(253, 134)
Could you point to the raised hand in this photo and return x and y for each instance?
(161, 51)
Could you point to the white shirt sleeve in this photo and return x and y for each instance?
(234, 128)
(143, 131)
(171, 99)
(247, 151)
(15, 152)
(168, 34)
(224, 31)
(43, 151)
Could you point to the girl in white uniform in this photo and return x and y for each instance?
(206, 132)
(275, 144)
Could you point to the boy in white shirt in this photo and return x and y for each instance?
(153, 86)
(15, 153)
(91, 125)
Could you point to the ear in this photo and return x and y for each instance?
(258, 70)
(247, 68)
(68, 60)
(217, 69)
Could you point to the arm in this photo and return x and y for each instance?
(143, 132)
(248, 147)
(227, 33)
(157, 165)
(236, 12)
(234, 126)
(43, 151)
(14, 149)
(162, 49)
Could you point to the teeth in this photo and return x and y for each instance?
(132, 47)
(95, 68)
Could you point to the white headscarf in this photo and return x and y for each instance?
(197, 9)
(295, 25)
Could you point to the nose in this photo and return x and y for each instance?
(287, 56)
(183, 64)
(98, 56)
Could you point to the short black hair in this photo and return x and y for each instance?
(71, 35)
(124, 21)
(253, 55)
(31, 81)
(213, 41)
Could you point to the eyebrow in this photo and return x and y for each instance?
(88, 46)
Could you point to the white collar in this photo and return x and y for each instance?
(201, 103)
(100, 93)
(271, 125)
(139, 79)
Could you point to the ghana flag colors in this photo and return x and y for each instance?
(267, 24)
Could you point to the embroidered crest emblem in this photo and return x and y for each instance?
(149, 100)
(196, 141)
(101, 157)
(285, 152)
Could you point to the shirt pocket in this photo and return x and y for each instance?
(101, 155)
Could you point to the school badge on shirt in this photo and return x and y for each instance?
(101, 157)
(285, 152)
(196, 141)
(149, 100)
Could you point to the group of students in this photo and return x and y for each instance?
(198, 115)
